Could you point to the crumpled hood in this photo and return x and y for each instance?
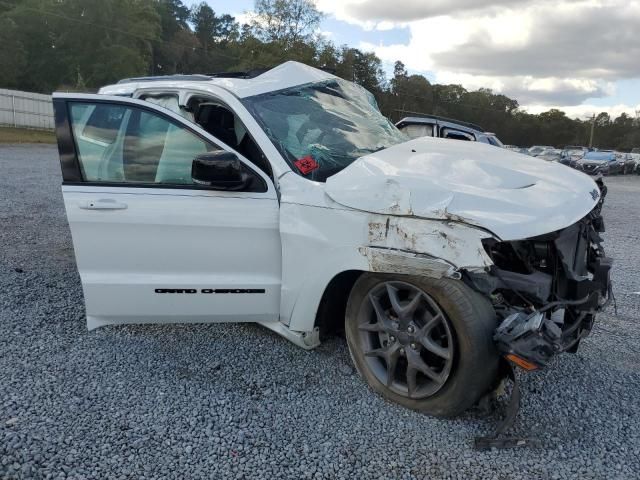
(512, 195)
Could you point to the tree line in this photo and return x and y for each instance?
(48, 45)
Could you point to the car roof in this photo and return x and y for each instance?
(241, 84)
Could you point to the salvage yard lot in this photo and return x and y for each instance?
(237, 401)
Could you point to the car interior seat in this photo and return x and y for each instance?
(223, 124)
(218, 121)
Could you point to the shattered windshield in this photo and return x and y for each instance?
(323, 127)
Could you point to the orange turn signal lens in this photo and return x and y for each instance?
(521, 362)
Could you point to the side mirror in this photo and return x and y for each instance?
(220, 169)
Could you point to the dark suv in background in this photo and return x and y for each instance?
(435, 126)
(599, 163)
(571, 154)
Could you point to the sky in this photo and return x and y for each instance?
(580, 56)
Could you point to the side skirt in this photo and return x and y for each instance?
(306, 340)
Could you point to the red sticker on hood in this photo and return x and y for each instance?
(306, 164)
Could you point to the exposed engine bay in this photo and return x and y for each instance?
(546, 290)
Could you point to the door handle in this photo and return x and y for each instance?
(103, 204)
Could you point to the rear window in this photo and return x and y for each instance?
(605, 156)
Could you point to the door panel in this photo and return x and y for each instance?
(135, 261)
(150, 252)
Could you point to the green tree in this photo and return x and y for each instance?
(211, 29)
(172, 47)
(111, 39)
(174, 16)
(13, 55)
(361, 67)
(217, 37)
(286, 22)
(102, 40)
(36, 32)
(327, 56)
(407, 94)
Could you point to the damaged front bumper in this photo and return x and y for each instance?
(547, 290)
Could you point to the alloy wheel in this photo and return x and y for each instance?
(406, 339)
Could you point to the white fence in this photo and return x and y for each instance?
(26, 109)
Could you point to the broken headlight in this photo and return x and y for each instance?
(547, 289)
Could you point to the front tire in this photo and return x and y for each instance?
(423, 343)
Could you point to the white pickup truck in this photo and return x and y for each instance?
(287, 199)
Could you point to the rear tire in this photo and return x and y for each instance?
(423, 343)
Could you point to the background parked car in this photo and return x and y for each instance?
(571, 154)
(550, 155)
(636, 160)
(536, 150)
(599, 163)
(626, 161)
(513, 148)
(434, 126)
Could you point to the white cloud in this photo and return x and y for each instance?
(385, 25)
(528, 89)
(586, 111)
(244, 17)
(542, 52)
(428, 37)
(362, 11)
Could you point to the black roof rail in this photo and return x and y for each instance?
(248, 74)
(444, 119)
(258, 71)
(197, 77)
(158, 78)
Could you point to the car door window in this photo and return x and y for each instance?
(127, 144)
(170, 102)
(456, 134)
(415, 131)
(223, 123)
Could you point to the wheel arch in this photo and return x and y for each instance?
(333, 303)
(320, 244)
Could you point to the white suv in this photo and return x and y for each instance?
(288, 200)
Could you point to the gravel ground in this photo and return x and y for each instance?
(237, 401)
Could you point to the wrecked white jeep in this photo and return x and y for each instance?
(287, 199)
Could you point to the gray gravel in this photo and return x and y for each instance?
(236, 401)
